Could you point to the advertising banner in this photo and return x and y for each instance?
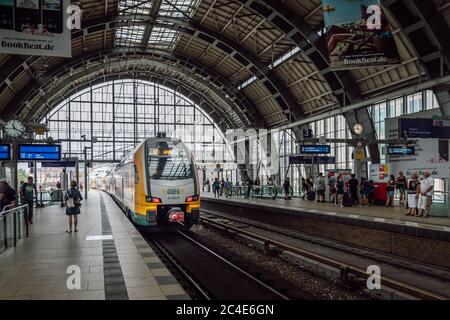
(358, 35)
(35, 27)
(430, 155)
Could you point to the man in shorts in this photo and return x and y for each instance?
(426, 194)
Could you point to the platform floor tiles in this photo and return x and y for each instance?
(124, 267)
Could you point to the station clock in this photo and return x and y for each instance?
(14, 128)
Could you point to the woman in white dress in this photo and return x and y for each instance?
(413, 194)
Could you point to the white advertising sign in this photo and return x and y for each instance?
(430, 155)
(35, 27)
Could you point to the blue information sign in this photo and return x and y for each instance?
(312, 160)
(59, 164)
(400, 150)
(39, 152)
(315, 149)
(5, 152)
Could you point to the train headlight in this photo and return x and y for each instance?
(153, 199)
(192, 198)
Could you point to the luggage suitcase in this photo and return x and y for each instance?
(311, 196)
(347, 200)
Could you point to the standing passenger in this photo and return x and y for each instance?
(413, 194)
(249, 186)
(73, 203)
(227, 189)
(401, 186)
(340, 191)
(426, 194)
(353, 189)
(216, 188)
(287, 187)
(320, 188)
(390, 189)
(28, 191)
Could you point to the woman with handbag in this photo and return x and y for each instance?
(73, 203)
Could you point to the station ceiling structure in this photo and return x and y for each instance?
(247, 63)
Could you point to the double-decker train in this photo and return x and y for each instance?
(156, 185)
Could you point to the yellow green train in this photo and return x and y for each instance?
(156, 185)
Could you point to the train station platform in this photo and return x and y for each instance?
(115, 261)
(383, 229)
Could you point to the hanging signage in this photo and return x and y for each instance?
(423, 128)
(39, 152)
(315, 149)
(5, 152)
(59, 164)
(392, 150)
(357, 34)
(35, 27)
(429, 155)
(312, 160)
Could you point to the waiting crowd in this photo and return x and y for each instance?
(415, 194)
(28, 194)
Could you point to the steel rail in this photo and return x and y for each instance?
(343, 267)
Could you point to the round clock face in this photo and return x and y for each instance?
(14, 128)
(358, 129)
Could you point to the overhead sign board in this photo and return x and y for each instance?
(391, 150)
(5, 152)
(59, 164)
(312, 160)
(424, 128)
(35, 27)
(39, 152)
(315, 149)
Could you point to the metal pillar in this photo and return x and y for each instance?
(85, 172)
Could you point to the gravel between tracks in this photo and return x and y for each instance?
(320, 288)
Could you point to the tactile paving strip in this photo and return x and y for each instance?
(115, 288)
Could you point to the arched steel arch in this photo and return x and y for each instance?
(428, 33)
(184, 90)
(67, 76)
(204, 75)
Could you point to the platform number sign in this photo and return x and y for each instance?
(307, 133)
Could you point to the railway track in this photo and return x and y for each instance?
(241, 226)
(212, 276)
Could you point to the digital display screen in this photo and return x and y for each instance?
(39, 152)
(400, 150)
(5, 152)
(315, 149)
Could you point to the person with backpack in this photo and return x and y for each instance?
(73, 203)
(216, 188)
(28, 191)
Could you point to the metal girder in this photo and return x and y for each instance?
(310, 42)
(64, 69)
(267, 76)
(428, 33)
(156, 4)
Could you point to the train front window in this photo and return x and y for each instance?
(169, 163)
